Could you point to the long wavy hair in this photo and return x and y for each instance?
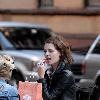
(62, 46)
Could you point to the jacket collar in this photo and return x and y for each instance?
(2, 81)
(63, 65)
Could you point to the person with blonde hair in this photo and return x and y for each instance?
(7, 92)
(58, 80)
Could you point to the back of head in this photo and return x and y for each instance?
(6, 66)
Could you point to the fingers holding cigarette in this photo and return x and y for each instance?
(41, 63)
(41, 68)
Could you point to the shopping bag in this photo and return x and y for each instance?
(30, 90)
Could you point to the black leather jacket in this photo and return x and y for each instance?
(60, 85)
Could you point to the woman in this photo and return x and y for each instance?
(57, 81)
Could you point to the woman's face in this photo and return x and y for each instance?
(51, 54)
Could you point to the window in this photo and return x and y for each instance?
(45, 3)
(94, 3)
(97, 48)
(32, 38)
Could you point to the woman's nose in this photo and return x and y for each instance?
(47, 53)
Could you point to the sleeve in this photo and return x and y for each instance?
(65, 82)
(14, 93)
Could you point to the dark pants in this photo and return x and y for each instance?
(82, 95)
(95, 94)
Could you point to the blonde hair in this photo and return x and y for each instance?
(6, 65)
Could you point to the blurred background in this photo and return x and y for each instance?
(77, 20)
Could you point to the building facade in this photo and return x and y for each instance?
(72, 18)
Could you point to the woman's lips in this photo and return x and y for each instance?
(48, 60)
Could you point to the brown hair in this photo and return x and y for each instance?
(62, 46)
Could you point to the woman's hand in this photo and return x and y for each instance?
(41, 68)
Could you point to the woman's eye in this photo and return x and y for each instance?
(45, 51)
(50, 51)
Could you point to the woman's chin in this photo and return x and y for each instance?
(48, 63)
